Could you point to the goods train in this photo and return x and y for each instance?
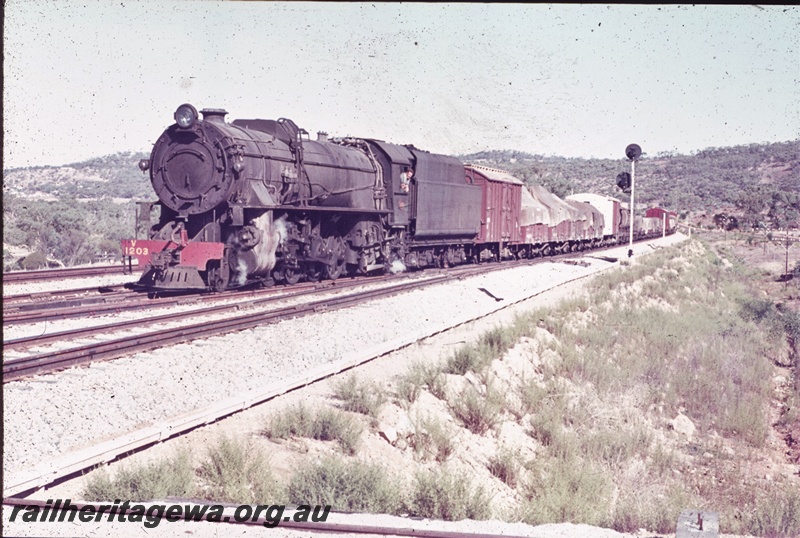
(258, 201)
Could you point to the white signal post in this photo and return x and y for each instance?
(632, 152)
(633, 191)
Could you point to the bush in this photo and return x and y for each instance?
(476, 412)
(410, 385)
(491, 345)
(171, 477)
(763, 311)
(567, 490)
(777, 514)
(323, 425)
(651, 506)
(449, 496)
(436, 382)
(364, 398)
(350, 486)
(432, 439)
(236, 471)
(465, 359)
(36, 260)
(506, 466)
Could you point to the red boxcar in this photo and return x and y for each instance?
(668, 219)
(500, 204)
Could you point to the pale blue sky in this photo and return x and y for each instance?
(89, 78)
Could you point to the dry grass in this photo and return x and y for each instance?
(169, 477)
(350, 486)
(237, 471)
(360, 397)
(323, 425)
(506, 465)
(433, 439)
(419, 377)
(448, 495)
(479, 413)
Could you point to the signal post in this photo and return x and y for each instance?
(627, 182)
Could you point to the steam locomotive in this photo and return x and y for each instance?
(258, 201)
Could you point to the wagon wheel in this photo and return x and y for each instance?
(288, 275)
(314, 272)
(335, 266)
(291, 275)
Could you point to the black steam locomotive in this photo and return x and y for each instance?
(257, 200)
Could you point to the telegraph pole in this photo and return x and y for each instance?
(632, 152)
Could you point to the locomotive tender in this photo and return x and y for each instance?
(259, 201)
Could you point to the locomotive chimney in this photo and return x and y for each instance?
(322, 136)
(214, 115)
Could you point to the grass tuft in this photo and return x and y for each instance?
(322, 425)
(777, 514)
(478, 413)
(445, 495)
(170, 477)
(237, 471)
(365, 398)
(350, 486)
(433, 440)
(506, 466)
(465, 359)
(567, 490)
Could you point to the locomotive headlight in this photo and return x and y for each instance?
(185, 116)
(144, 164)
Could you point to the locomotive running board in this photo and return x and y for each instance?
(328, 209)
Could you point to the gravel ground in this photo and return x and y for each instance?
(58, 413)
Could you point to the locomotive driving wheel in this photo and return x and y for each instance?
(314, 272)
(335, 267)
(291, 275)
(288, 275)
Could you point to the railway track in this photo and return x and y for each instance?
(64, 304)
(15, 369)
(132, 301)
(17, 301)
(23, 277)
(18, 368)
(258, 299)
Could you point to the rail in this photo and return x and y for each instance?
(20, 277)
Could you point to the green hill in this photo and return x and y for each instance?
(113, 176)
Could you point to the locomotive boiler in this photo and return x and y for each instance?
(259, 201)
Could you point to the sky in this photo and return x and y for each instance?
(86, 78)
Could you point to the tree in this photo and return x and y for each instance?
(725, 222)
(784, 210)
(754, 201)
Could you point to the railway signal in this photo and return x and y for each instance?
(624, 182)
(632, 152)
